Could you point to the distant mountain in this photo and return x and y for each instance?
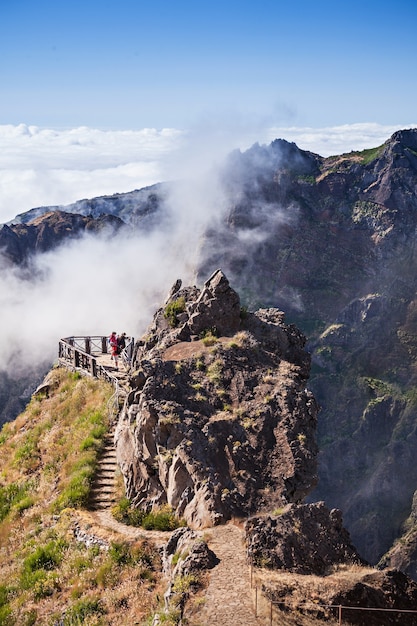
(331, 241)
(19, 242)
(133, 207)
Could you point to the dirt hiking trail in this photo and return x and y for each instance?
(228, 597)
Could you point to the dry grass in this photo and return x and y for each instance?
(300, 597)
(46, 574)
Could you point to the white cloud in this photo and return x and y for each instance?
(41, 167)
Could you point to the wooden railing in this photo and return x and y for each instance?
(82, 353)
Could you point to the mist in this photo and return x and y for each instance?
(96, 284)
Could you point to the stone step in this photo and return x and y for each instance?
(108, 458)
(101, 480)
(103, 497)
(104, 482)
(102, 503)
(98, 496)
(108, 466)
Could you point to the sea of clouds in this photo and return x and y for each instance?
(94, 286)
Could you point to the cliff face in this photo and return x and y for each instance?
(335, 249)
(218, 427)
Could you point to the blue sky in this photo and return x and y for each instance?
(99, 97)
(131, 64)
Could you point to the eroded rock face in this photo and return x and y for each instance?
(218, 430)
(304, 539)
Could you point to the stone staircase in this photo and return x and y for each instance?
(103, 491)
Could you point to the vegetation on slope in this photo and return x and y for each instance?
(47, 460)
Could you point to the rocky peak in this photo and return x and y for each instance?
(219, 422)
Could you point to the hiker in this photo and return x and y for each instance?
(114, 348)
(121, 342)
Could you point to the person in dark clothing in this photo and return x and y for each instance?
(121, 342)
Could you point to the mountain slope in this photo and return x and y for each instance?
(57, 565)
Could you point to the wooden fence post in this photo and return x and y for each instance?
(88, 345)
(340, 613)
(104, 345)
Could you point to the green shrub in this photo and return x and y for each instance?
(30, 618)
(46, 585)
(77, 491)
(161, 519)
(6, 618)
(5, 433)
(183, 584)
(123, 512)
(172, 618)
(172, 309)
(215, 372)
(45, 557)
(4, 595)
(25, 503)
(28, 449)
(10, 496)
(119, 552)
(83, 609)
(209, 337)
(95, 439)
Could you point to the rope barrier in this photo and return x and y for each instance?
(339, 607)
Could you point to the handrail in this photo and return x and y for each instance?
(81, 352)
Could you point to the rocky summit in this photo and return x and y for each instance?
(219, 422)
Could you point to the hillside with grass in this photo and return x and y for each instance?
(57, 566)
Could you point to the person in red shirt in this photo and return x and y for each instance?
(114, 349)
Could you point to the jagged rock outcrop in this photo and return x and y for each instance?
(304, 539)
(218, 427)
(321, 570)
(403, 554)
(184, 557)
(139, 207)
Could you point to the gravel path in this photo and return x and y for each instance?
(228, 598)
